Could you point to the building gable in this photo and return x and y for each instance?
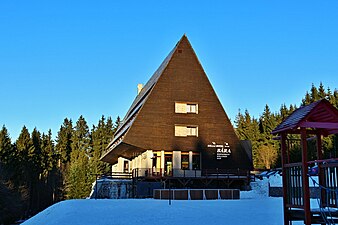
(182, 82)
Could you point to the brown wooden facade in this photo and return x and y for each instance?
(155, 123)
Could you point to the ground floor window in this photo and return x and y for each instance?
(184, 160)
(168, 163)
(196, 161)
(126, 166)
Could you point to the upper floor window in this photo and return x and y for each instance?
(184, 131)
(191, 108)
(183, 107)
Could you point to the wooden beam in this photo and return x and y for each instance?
(335, 131)
(324, 125)
(297, 131)
(285, 161)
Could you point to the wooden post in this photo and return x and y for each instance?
(306, 190)
(284, 161)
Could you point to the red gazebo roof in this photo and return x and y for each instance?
(319, 115)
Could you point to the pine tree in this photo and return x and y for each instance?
(6, 147)
(63, 149)
(247, 128)
(35, 153)
(307, 99)
(64, 141)
(314, 93)
(110, 128)
(268, 122)
(117, 124)
(101, 136)
(51, 173)
(284, 112)
(321, 91)
(329, 95)
(79, 175)
(335, 98)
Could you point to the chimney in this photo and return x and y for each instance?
(139, 88)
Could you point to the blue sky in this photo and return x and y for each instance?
(69, 58)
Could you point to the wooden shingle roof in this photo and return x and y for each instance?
(139, 101)
(318, 115)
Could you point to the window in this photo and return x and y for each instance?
(126, 166)
(184, 131)
(196, 160)
(180, 131)
(181, 107)
(192, 131)
(184, 161)
(192, 108)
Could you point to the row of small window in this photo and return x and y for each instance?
(181, 107)
(195, 161)
(185, 131)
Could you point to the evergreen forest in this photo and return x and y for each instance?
(39, 169)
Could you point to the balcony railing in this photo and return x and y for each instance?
(206, 173)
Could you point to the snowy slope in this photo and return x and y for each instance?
(253, 208)
(148, 211)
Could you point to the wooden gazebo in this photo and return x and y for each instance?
(317, 119)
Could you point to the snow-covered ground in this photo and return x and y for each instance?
(148, 211)
(254, 208)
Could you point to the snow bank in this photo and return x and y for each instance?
(154, 212)
(254, 208)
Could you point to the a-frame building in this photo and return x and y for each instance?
(176, 124)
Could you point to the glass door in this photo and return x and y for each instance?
(168, 164)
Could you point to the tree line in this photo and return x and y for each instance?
(36, 171)
(266, 151)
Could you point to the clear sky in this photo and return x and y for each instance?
(63, 59)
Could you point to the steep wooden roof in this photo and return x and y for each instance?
(138, 102)
(318, 115)
(140, 99)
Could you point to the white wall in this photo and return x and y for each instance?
(176, 159)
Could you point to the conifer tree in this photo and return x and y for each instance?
(101, 136)
(335, 98)
(79, 175)
(321, 91)
(34, 155)
(314, 93)
(64, 141)
(6, 147)
(117, 124)
(329, 95)
(268, 122)
(63, 149)
(307, 99)
(51, 173)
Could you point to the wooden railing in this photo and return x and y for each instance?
(329, 183)
(114, 175)
(206, 173)
(295, 194)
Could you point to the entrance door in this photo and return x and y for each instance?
(168, 164)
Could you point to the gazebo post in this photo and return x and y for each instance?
(306, 190)
(284, 156)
